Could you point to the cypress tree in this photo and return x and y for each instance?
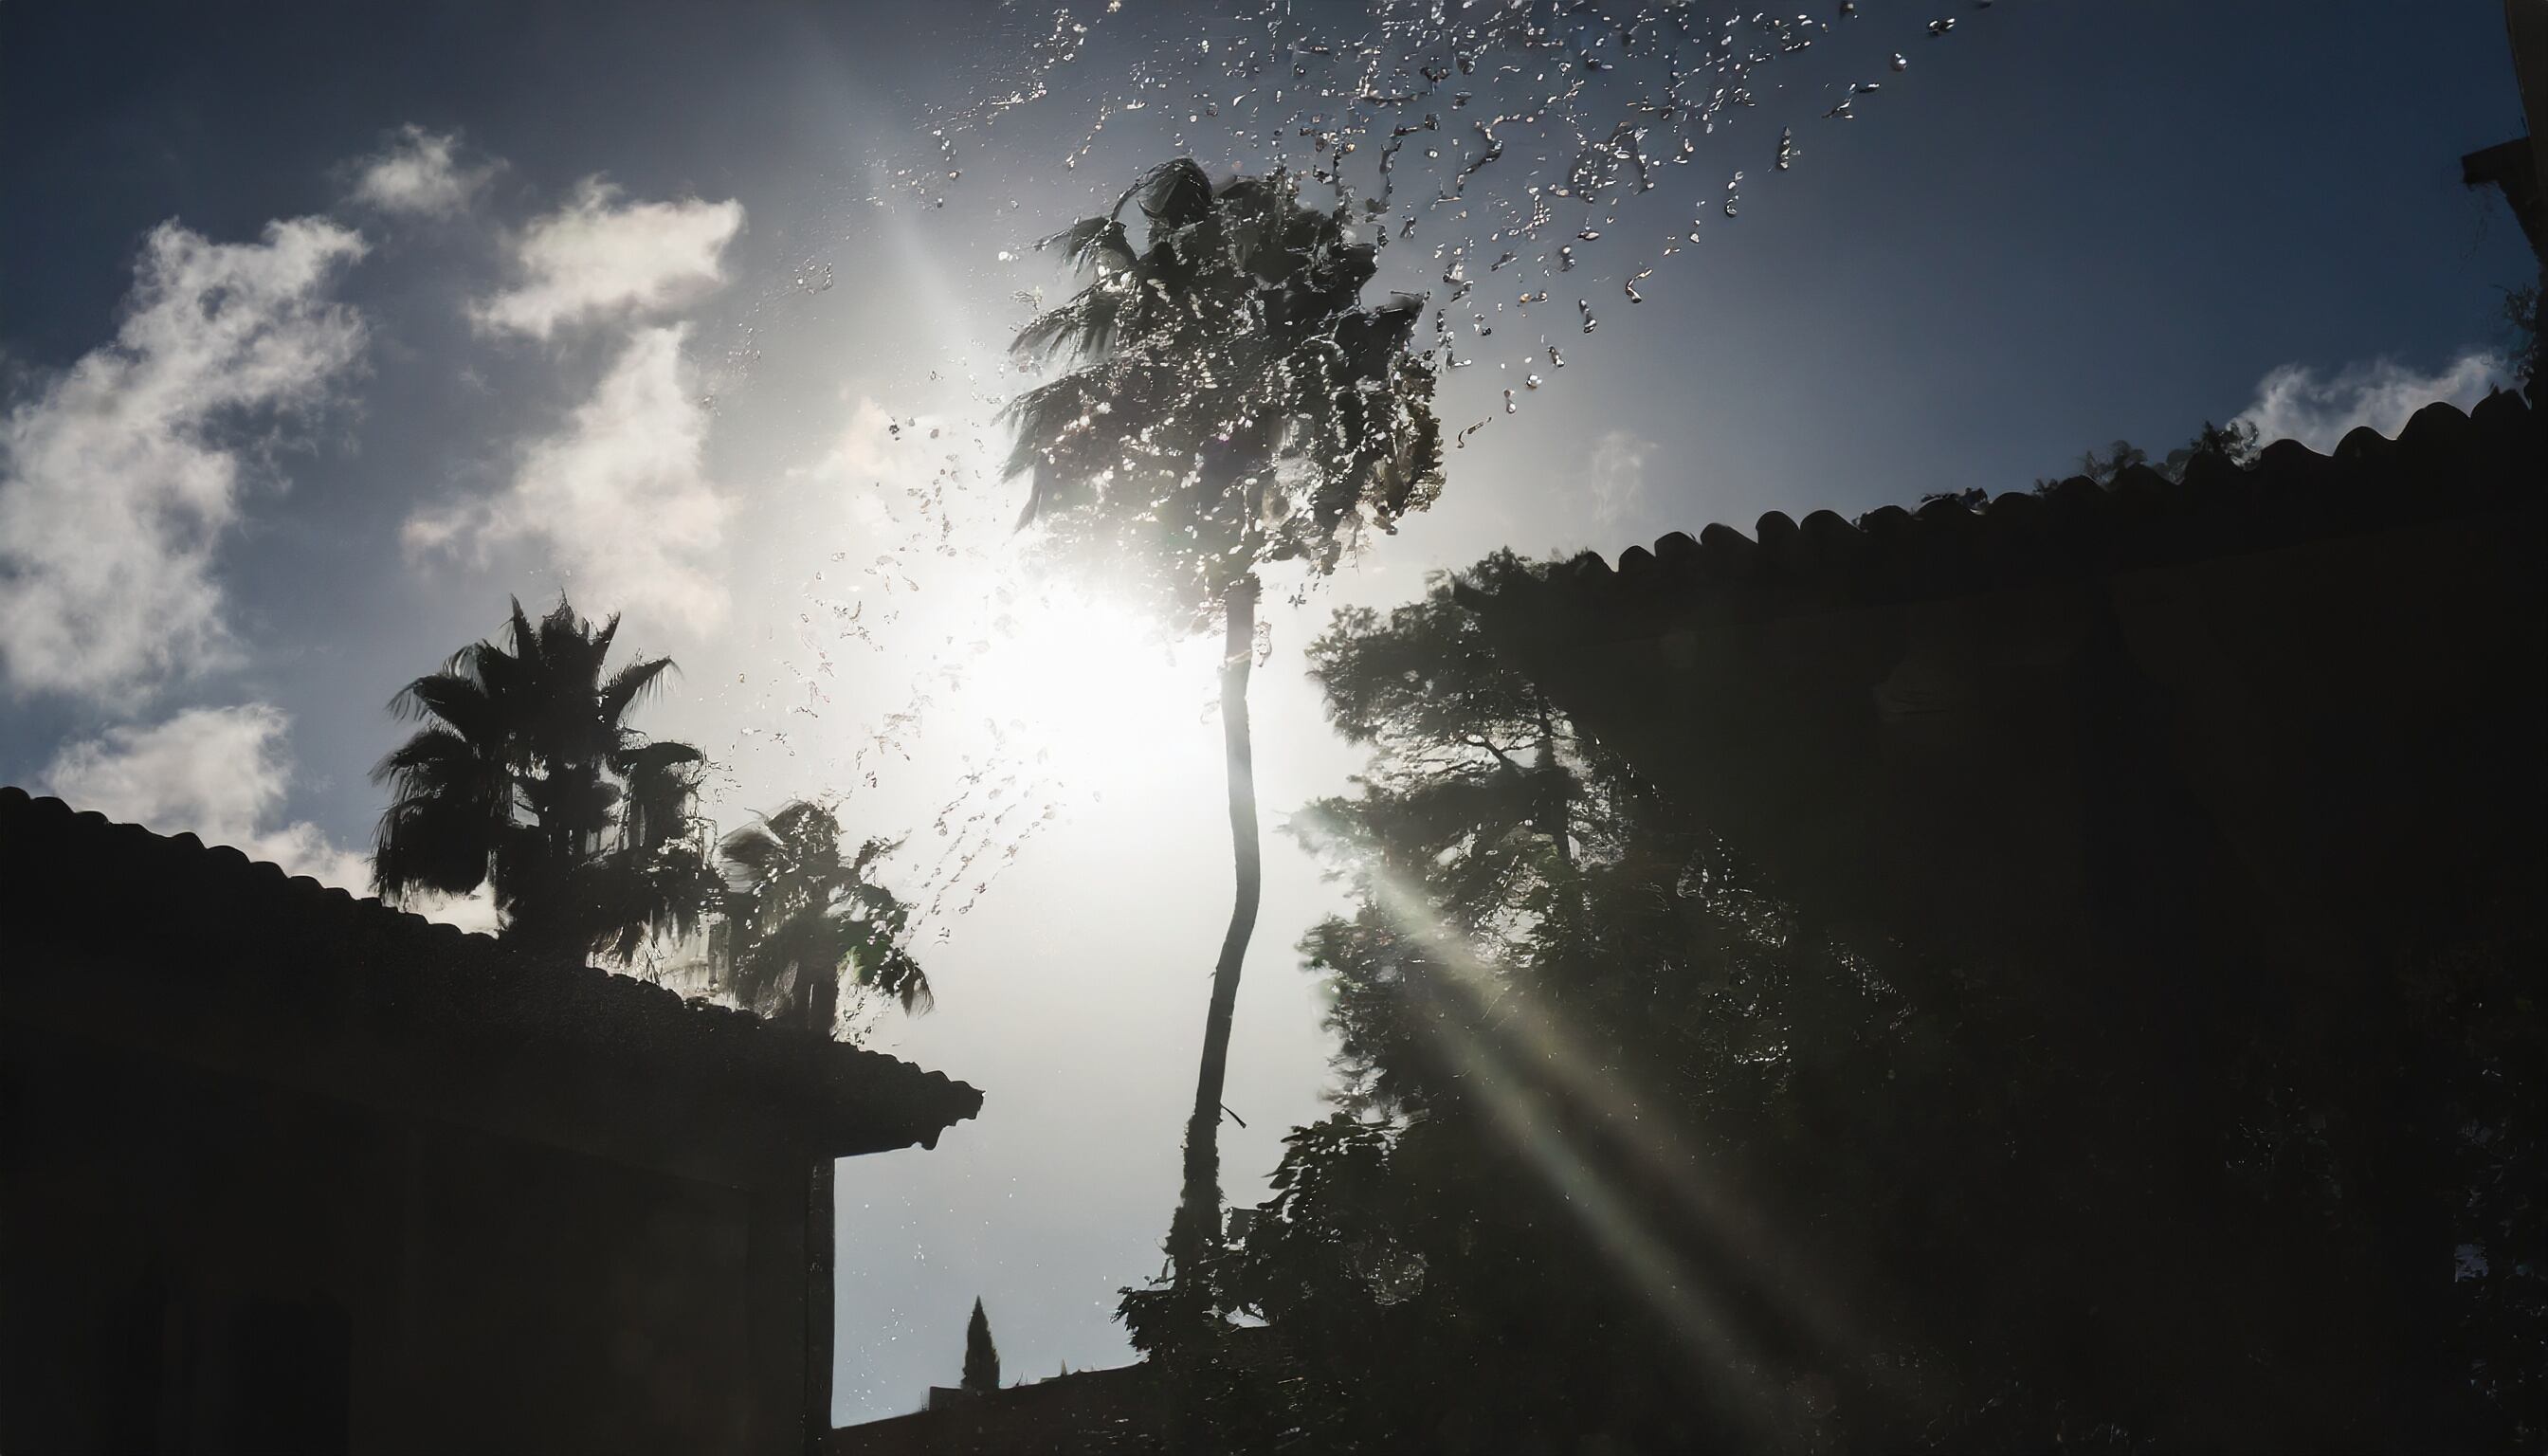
(981, 1357)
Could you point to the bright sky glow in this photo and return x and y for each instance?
(1091, 684)
(735, 284)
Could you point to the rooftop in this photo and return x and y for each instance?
(2445, 464)
(167, 945)
(1967, 726)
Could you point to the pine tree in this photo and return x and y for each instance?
(981, 1357)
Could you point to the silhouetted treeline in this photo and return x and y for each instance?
(529, 782)
(1633, 1152)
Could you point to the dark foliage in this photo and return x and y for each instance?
(2521, 318)
(1232, 403)
(1633, 1155)
(981, 1357)
(2235, 444)
(526, 777)
(801, 913)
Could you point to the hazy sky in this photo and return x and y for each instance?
(324, 328)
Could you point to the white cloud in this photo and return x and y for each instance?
(218, 773)
(419, 174)
(596, 257)
(1618, 476)
(2295, 402)
(116, 482)
(222, 774)
(621, 497)
(853, 471)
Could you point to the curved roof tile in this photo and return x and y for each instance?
(2442, 462)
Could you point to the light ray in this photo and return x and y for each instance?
(1538, 1042)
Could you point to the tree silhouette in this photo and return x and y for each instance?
(528, 778)
(803, 912)
(1551, 999)
(1638, 1150)
(2235, 442)
(1591, 1074)
(1233, 405)
(981, 1357)
(2521, 320)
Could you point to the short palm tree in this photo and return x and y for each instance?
(526, 777)
(802, 913)
(1233, 405)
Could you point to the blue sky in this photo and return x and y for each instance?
(509, 298)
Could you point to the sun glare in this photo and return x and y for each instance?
(1091, 687)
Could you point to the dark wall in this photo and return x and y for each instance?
(196, 1262)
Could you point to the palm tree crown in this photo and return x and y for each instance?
(527, 777)
(1234, 403)
(802, 912)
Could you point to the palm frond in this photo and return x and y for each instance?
(1091, 244)
(459, 700)
(805, 912)
(430, 845)
(525, 638)
(629, 685)
(647, 893)
(1175, 193)
(434, 761)
(751, 850)
(1085, 327)
(602, 637)
(662, 781)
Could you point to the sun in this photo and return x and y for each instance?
(1093, 691)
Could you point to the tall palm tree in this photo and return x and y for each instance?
(527, 777)
(1233, 405)
(803, 912)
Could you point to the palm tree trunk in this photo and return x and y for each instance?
(1197, 1227)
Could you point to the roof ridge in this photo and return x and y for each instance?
(457, 950)
(2289, 493)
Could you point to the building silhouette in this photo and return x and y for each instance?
(283, 1170)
